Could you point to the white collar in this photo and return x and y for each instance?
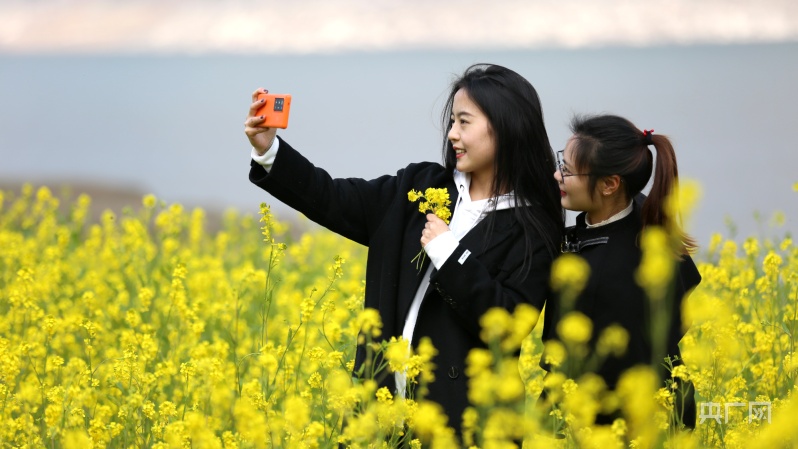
(463, 183)
(616, 217)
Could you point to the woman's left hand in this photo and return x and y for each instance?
(434, 227)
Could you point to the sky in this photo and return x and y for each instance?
(323, 26)
(150, 96)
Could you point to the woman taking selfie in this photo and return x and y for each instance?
(504, 232)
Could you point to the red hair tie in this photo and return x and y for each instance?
(647, 136)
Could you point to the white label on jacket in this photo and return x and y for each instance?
(465, 255)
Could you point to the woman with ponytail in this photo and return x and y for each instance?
(601, 173)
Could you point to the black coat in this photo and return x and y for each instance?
(612, 295)
(376, 213)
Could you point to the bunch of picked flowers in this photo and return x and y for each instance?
(433, 201)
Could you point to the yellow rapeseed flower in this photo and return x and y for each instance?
(76, 439)
(429, 420)
(153, 329)
(149, 201)
(510, 388)
(297, 414)
(636, 390)
(495, 323)
(613, 340)
(435, 201)
(575, 328)
(683, 199)
(369, 322)
(525, 317)
(714, 241)
(599, 437)
(751, 247)
(665, 398)
(423, 364)
(315, 380)
(658, 263)
(397, 352)
(554, 381)
(554, 353)
(680, 372)
(384, 395)
(778, 219)
(569, 271)
(771, 264)
(478, 361)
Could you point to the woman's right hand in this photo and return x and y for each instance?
(260, 137)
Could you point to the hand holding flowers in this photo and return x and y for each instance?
(434, 227)
(435, 203)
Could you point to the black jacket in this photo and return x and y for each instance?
(612, 294)
(376, 213)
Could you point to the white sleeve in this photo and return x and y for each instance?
(441, 247)
(267, 159)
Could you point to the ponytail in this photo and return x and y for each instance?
(611, 145)
(666, 173)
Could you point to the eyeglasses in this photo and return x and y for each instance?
(564, 172)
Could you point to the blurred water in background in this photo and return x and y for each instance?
(173, 126)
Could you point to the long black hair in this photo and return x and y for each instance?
(611, 145)
(524, 158)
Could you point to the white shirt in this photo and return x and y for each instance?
(267, 159)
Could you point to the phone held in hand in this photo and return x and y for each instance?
(276, 108)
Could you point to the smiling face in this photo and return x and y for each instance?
(574, 185)
(472, 139)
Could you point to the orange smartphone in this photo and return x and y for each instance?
(276, 109)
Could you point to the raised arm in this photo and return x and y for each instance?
(351, 207)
